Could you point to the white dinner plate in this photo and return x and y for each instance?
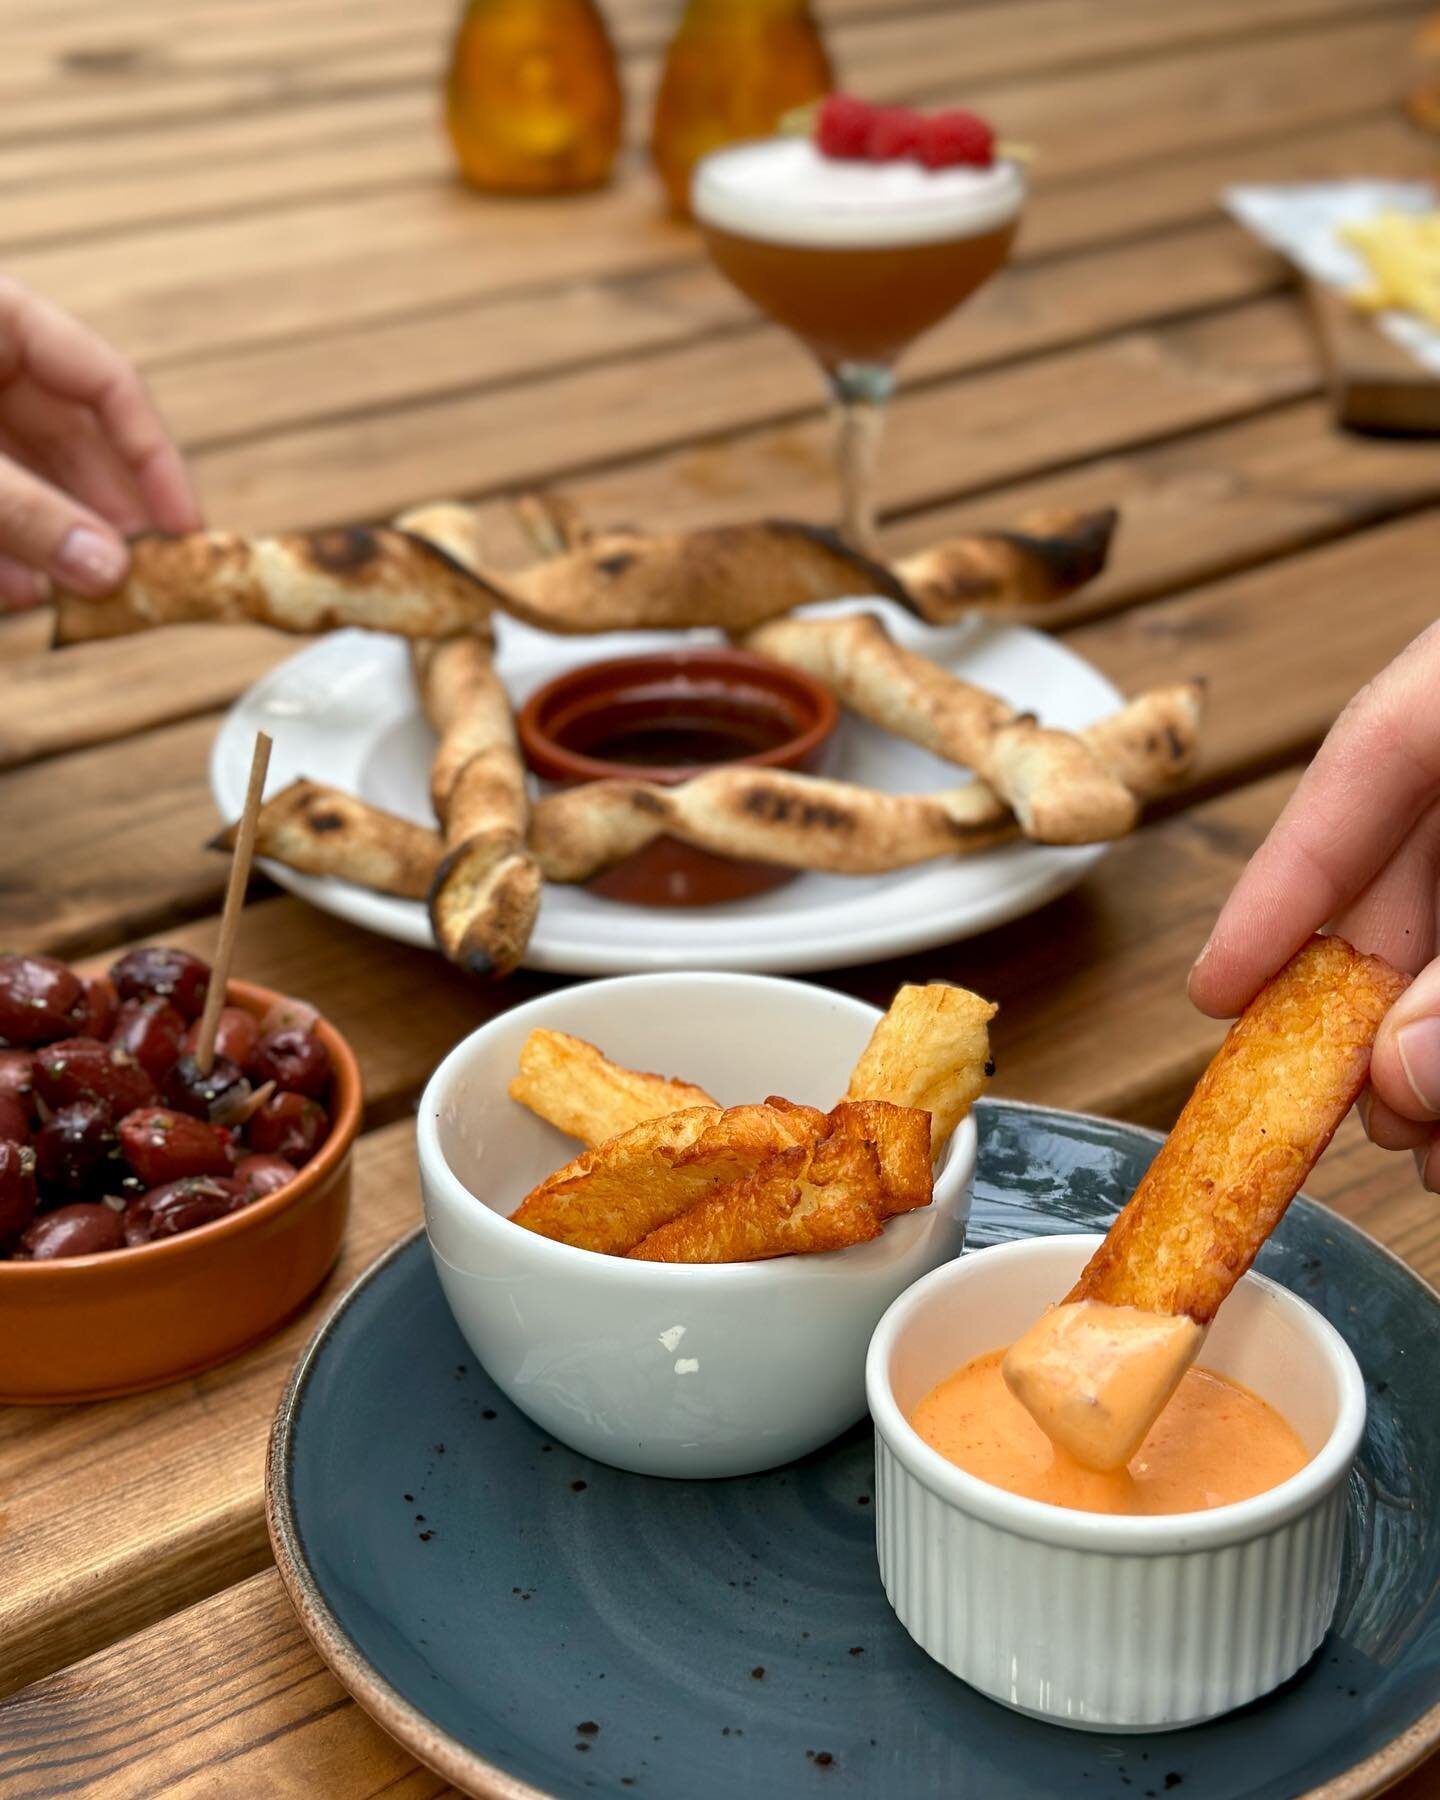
(344, 712)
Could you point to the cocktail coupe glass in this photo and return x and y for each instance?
(856, 259)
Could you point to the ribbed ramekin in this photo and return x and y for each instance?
(1086, 1619)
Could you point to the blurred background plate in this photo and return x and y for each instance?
(528, 1622)
(344, 712)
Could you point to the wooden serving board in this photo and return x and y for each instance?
(1374, 384)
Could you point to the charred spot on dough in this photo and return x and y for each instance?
(1176, 744)
(644, 800)
(613, 566)
(320, 822)
(778, 808)
(1071, 549)
(346, 550)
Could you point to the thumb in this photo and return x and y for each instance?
(1405, 1068)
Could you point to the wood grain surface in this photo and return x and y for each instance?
(253, 199)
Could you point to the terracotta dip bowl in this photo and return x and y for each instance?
(87, 1327)
(666, 718)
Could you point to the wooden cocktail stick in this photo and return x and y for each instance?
(234, 901)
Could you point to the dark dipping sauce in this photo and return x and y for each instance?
(679, 725)
(666, 718)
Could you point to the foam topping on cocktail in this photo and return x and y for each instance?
(785, 190)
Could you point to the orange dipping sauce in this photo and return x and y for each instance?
(1215, 1443)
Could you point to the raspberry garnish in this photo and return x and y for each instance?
(842, 126)
(894, 132)
(949, 139)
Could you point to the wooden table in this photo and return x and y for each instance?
(252, 198)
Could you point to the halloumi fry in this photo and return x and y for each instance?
(1289, 1070)
(825, 1195)
(577, 1089)
(931, 1050)
(610, 1197)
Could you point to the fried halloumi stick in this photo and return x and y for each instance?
(931, 1050)
(872, 1162)
(611, 1197)
(576, 1088)
(1289, 1070)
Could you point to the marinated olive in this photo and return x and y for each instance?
(80, 1068)
(101, 1005)
(236, 1034)
(17, 1188)
(260, 1175)
(14, 1120)
(77, 1149)
(150, 1030)
(162, 1145)
(188, 1091)
(17, 1077)
(288, 1125)
(40, 1000)
(180, 1206)
(173, 975)
(79, 1230)
(292, 1059)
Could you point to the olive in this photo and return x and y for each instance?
(236, 1034)
(40, 1000)
(14, 1121)
(76, 1149)
(260, 1174)
(149, 1030)
(188, 1091)
(292, 1059)
(159, 969)
(179, 1206)
(101, 1005)
(162, 1145)
(79, 1230)
(289, 1125)
(18, 1197)
(17, 1077)
(83, 1068)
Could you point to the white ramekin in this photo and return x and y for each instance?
(657, 1367)
(1085, 1619)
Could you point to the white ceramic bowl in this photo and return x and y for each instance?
(657, 1367)
(1113, 1624)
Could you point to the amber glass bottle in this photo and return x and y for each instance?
(733, 68)
(534, 103)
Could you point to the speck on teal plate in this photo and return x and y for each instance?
(531, 1623)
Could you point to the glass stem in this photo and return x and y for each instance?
(861, 391)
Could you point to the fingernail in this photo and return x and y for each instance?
(90, 559)
(1418, 1047)
(1205, 949)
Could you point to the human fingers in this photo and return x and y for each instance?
(1405, 1065)
(68, 359)
(1386, 1129)
(43, 529)
(20, 587)
(64, 442)
(1375, 774)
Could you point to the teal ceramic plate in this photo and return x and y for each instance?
(530, 1623)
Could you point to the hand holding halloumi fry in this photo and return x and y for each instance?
(577, 1088)
(1097, 1371)
(1290, 1069)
